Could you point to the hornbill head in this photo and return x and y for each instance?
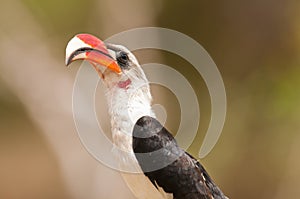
(120, 65)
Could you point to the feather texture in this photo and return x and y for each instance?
(180, 173)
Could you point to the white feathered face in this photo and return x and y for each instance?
(121, 68)
(131, 70)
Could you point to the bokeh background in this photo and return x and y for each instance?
(255, 44)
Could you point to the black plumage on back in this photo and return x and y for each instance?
(168, 166)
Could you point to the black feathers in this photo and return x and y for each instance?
(168, 166)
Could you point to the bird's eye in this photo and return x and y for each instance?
(122, 58)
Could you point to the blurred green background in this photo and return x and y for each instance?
(255, 45)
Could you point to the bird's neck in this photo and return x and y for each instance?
(126, 106)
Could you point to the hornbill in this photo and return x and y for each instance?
(167, 170)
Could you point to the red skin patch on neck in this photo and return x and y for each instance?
(124, 84)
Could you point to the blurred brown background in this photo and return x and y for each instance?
(255, 45)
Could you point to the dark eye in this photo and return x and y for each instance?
(123, 58)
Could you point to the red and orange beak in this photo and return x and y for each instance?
(89, 47)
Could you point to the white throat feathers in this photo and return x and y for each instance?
(128, 100)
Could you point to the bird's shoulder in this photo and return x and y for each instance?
(180, 173)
